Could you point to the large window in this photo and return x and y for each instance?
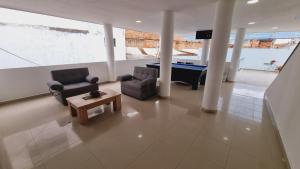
(145, 45)
(261, 51)
(39, 40)
(141, 45)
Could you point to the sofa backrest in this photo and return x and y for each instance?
(142, 73)
(69, 76)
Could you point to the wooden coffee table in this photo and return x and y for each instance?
(79, 106)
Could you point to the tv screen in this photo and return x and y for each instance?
(205, 34)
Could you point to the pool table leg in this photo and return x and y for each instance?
(195, 86)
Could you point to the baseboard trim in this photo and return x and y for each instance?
(39, 95)
(164, 97)
(208, 110)
(271, 114)
(24, 98)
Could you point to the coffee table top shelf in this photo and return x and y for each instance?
(78, 101)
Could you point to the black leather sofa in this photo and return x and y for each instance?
(141, 85)
(71, 82)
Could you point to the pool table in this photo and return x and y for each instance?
(187, 73)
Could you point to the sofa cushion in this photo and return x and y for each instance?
(142, 73)
(125, 77)
(78, 88)
(132, 84)
(69, 76)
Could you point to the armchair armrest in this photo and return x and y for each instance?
(92, 79)
(149, 81)
(55, 85)
(125, 77)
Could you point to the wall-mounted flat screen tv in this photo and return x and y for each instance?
(205, 34)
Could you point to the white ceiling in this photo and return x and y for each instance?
(190, 15)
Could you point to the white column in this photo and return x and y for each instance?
(166, 44)
(235, 59)
(199, 53)
(205, 50)
(109, 44)
(220, 38)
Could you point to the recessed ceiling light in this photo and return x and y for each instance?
(252, 1)
(138, 21)
(274, 27)
(251, 23)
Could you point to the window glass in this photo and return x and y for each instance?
(40, 40)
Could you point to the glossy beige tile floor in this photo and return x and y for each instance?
(155, 134)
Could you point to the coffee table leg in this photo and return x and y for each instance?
(72, 110)
(82, 116)
(117, 103)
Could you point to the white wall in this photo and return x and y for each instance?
(24, 82)
(283, 97)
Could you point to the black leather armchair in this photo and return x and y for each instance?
(71, 82)
(141, 85)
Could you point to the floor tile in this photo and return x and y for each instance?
(20, 151)
(195, 159)
(165, 154)
(211, 150)
(74, 158)
(91, 163)
(124, 151)
(156, 133)
(238, 159)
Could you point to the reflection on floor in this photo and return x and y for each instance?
(155, 134)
